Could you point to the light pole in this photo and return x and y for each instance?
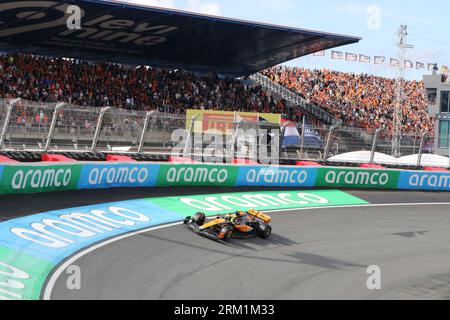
(399, 91)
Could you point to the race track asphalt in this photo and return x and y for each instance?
(14, 206)
(313, 254)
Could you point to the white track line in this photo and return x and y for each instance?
(55, 276)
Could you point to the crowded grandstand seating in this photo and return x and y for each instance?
(363, 101)
(97, 85)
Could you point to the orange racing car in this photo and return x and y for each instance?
(239, 225)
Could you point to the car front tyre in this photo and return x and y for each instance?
(264, 231)
(228, 234)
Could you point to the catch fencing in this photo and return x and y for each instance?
(32, 126)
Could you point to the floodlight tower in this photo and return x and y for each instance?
(399, 90)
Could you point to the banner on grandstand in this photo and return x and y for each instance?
(409, 64)
(39, 178)
(313, 137)
(379, 60)
(364, 59)
(394, 62)
(431, 66)
(337, 55)
(219, 122)
(351, 57)
(291, 135)
(319, 53)
(357, 178)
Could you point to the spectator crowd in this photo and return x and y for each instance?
(363, 101)
(359, 100)
(143, 88)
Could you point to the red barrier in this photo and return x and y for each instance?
(435, 169)
(56, 158)
(371, 166)
(4, 159)
(114, 158)
(308, 164)
(181, 160)
(244, 161)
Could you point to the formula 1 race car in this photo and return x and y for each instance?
(240, 225)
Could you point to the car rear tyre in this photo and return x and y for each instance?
(228, 233)
(264, 231)
(199, 218)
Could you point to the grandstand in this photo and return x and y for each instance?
(124, 82)
(362, 101)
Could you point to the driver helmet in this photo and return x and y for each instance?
(240, 214)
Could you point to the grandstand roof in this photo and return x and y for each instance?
(119, 32)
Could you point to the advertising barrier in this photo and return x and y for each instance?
(99, 176)
(276, 176)
(39, 178)
(31, 247)
(17, 178)
(357, 178)
(197, 175)
(417, 180)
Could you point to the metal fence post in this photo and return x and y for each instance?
(163, 121)
(233, 141)
(148, 115)
(98, 129)
(51, 130)
(283, 133)
(374, 146)
(302, 141)
(415, 138)
(7, 120)
(188, 138)
(422, 141)
(328, 146)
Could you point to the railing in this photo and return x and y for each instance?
(292, 97)
(28, 126)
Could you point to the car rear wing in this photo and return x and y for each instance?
(260, 216)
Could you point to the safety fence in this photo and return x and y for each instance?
(37, 178)
(32, 126)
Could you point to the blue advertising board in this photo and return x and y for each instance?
(420, 180)
(276, 176)
(118, 175)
